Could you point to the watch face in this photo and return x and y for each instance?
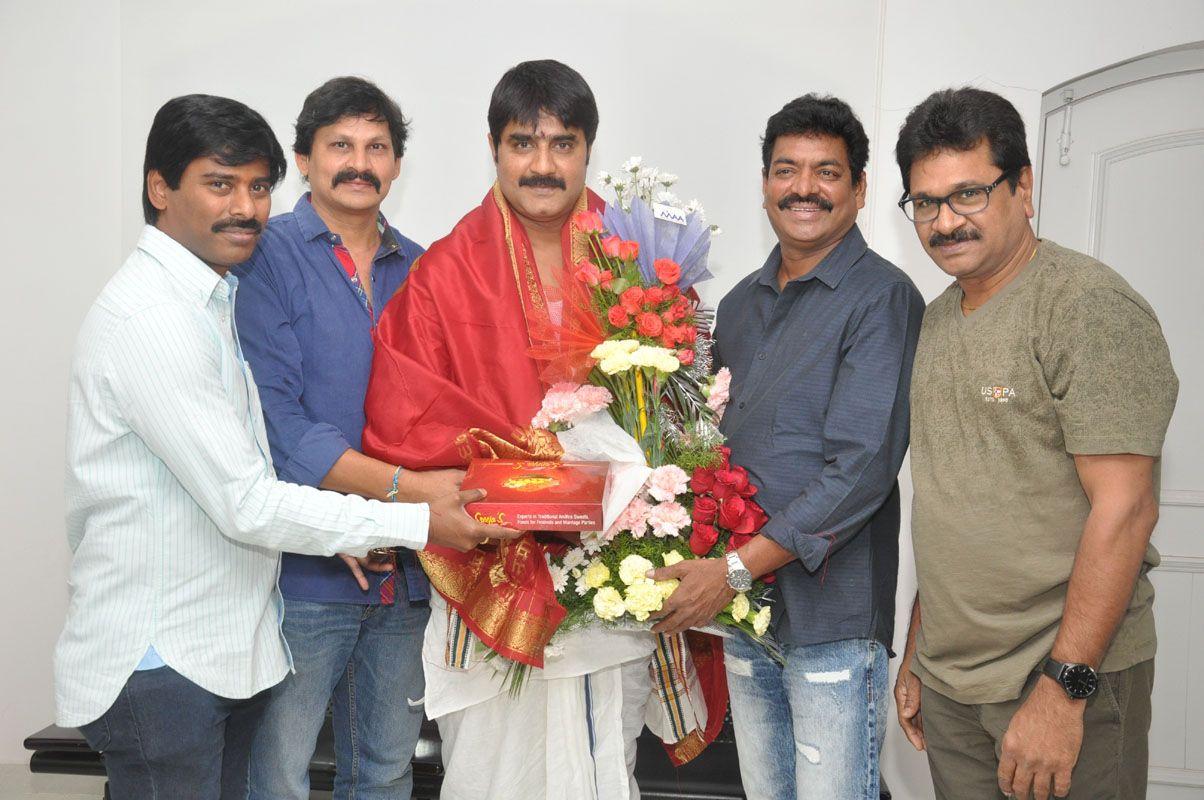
(1080, 681)
(740, 580)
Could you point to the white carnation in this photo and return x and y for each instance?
(574, 558)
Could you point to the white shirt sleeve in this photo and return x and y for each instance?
(164, 369)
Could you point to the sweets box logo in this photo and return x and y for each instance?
(998, 394)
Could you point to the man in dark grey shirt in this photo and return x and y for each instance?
(819, 342)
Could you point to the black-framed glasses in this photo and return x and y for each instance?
(964, 202)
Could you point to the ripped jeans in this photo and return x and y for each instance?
(813, 728)
(365, 661)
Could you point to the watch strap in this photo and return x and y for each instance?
(1053, 668)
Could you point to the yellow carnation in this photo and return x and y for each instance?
(615, 362)
(595, 575)
(608, 603)
(760, 622)
(612, 346)
(633, 569)
(668, 363)
(667, 588)
(673, 557)
(740, 607)
(642, 599)
(648, 356)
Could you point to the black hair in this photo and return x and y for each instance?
(349, 97)
(959, 119)
(813, 115)
(202, 125)
(549, 87)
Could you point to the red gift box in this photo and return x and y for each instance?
(539, 495)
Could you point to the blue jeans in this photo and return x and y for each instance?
(165, 738)
(814, 728)
(365, 661)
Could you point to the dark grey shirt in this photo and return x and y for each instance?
(818, 415)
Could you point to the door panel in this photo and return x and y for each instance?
(1121, 176)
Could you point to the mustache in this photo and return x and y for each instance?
(814, 199)
(959, 235)
(226, 224)
(542, 182)
(350, 174)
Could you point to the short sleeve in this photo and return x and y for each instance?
(1110, 373)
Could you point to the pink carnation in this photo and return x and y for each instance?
(634, 518)
(718, 396)
(668, 519)
(593, 398)
(566, 404)
(667, 482)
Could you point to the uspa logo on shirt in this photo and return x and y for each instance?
(998, 394)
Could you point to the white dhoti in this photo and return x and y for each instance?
(570, 734)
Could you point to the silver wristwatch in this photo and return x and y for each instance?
(738, 576)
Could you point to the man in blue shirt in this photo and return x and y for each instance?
(307, 310)
(819, 342)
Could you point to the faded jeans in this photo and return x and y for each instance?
(813, 728)
(367, 659)
(167, 738)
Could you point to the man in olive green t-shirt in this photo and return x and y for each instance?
(1041, 393)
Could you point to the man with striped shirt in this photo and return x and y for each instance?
(174, 513)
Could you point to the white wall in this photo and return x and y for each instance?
(687, 85)
(60, 97)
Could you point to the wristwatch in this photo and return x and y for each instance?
(1079, 680)
(738, 576)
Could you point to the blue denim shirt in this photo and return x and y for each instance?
(818, 415)
(308, 337)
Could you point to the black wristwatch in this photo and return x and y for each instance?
(1079, 680)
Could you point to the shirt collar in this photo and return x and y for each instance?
(197, 278)
(312, 226)
(829, 271)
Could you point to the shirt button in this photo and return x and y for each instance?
(740, 406)
(760, 356)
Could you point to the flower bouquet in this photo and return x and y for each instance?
(649, 370)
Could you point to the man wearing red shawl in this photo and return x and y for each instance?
(452, 379)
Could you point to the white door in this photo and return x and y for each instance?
(1121, 176)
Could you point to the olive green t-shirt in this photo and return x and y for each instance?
(1066, 359)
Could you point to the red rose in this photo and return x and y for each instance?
(686, 357)
(739, 479)
(705, 509)
(725, 453)
(736, 541)
(756, 517)
(610, 246)
(618, 317)
(667, 270)
(632, 300)
(667, 341)
(588, 221)
(703, 538)
(731, 511)
(648, 324)
(654, 296)
(588, 273)
(702, 480)
(680, 308)
(689, 333)
(672, 292)
(606, 278)
(629, 251)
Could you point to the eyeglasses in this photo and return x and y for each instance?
(964, 202)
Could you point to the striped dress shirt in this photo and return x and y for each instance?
(174, 513)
